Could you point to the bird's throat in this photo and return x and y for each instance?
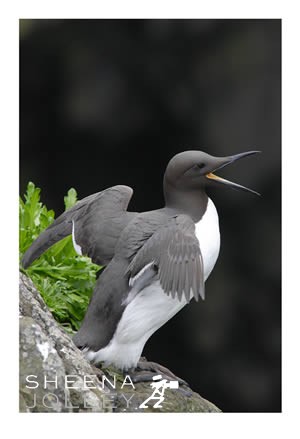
(188, 202)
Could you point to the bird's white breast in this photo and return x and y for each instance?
(208, 235)
(151, 307)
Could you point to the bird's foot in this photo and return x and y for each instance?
(146, 370)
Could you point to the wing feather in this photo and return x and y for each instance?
(176, 250)
(99, 220)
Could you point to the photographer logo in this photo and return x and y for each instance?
(159, 386)
(53, 393)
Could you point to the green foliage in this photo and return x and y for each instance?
(64, 279)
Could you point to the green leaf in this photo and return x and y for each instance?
(71, 198)
(64, 279)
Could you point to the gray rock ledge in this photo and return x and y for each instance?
(55, 376)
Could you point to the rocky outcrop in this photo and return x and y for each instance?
(55, 376)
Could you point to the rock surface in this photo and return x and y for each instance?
(55, 376)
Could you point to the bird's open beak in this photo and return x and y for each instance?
(226, 161)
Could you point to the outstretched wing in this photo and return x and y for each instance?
(173, 251)
(96, 223)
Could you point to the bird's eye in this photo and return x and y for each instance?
(200, 165)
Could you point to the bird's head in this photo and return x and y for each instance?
(194, 170)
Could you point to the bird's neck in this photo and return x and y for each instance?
(190, 202)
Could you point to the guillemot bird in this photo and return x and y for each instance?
(156, 261)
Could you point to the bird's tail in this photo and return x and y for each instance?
(58, 230)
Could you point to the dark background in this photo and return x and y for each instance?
(106, 102)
